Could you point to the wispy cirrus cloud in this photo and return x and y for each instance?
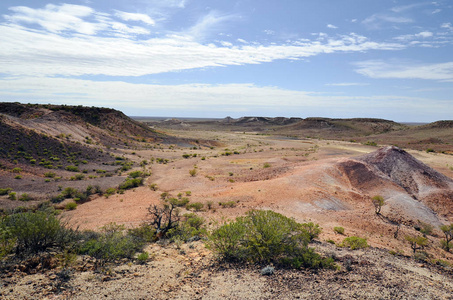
(377, 21)
(378, 69)
(135, 17)
(347, 84)
(69, 53)
(70, 19)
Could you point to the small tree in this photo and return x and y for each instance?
(164, 217)
(378, 202)
(448, 231)
(417, 242)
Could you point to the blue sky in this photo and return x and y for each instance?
(209, 58)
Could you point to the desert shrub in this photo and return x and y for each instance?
(185, 155)
(108, 192)
(448, 232)
(136, 174)
(145, 233)
(36, 232)
(209, 204)
(196, 206)
(265, 237)
(72, 169)
(12, 196)
(189, 226)
(18, 177)
(110, 245)
(153, 186)
(312, 230)
(416, 242)
(378, 202)
(131, 183)
(178, 202)
(25, 197)
(71, 206)
(16, 170)
(5, 191)
(69, 192)
(50, 175)
(142, 257)
(227, 204)
(354, 242)
(429, 150)
(7, 241)
(266, 165)
(193, 172)
(339, 230)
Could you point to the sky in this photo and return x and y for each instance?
(215, 58)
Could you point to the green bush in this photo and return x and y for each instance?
(110, 245)
(5, 191)
(49, 175)
(25, 197)
(266, 237)
(145, 233)
(72, 169)
(131, 183)
(178, 202)
(109, 192)
(190, 225)
(196, 206)
(71, 206)
(36, 232)
(339, 230)
(12, 196)
(136, 174)
(312, 230)
(354, 242)
(143, 257)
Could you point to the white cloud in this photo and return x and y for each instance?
(376, 21)
(379, 69)
(331, 26)
(398, 9)
(447, 26)
(68, 18)
(55, 18)
(53, 54)
(348, 84)
(436, 11)
(408, 37)
(212, 22)
(214, 100)
(135, 17)
(269, 32)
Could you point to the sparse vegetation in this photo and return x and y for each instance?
(339, 230)
(448, 232)
(416, 242)
(354, 242)
(378, 202)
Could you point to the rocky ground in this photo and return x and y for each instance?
(192, 272)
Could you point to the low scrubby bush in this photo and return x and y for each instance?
(354, 242)
(266, 237)
(196, 206)
(5, 191)
(111, 244)
(34, 232)
(339, 230)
